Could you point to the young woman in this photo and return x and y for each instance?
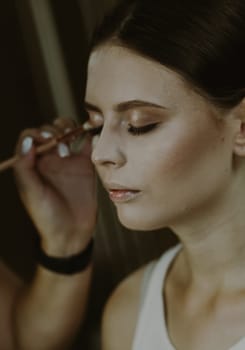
(165, 92)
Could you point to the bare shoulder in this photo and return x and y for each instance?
(10, 285)
(121, 313)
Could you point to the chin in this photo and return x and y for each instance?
(144, 217)
(140, 223)
(135, 227)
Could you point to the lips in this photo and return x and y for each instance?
(119, 195)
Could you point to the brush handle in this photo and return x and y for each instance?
(8, 163)
(45, 147)
(41, 149)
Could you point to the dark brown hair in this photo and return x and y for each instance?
(202, 40)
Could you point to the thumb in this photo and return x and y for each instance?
(27, 179)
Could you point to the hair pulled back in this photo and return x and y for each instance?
(204, 41)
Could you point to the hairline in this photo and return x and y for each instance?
(114, 41)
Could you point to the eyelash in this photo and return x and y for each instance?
(131, 129)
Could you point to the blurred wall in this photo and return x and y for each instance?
(44, 49)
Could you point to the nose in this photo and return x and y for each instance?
(107, 151)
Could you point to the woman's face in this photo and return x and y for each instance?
(178, 157)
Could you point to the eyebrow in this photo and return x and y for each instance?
(125, 106)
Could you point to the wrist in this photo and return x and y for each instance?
(66, 265)
(61, 247)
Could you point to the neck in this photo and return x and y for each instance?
(213, 254)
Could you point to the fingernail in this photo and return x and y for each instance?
(26, 144)
(46, 134)
(63, 150)
(95, 140)
(87, 126)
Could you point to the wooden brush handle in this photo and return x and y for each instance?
(45, 147)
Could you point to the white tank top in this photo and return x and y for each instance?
(151, 329)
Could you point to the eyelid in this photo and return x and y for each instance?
(139, 119)
(134, 131)
(143, 129)
(142, 123)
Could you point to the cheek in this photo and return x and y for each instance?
(190, 149)
(176, 179)
(172, 157)
(188, 163)
(179, 156)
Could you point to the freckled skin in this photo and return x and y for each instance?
(173, 165)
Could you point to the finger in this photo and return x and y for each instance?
(27, 179)
(25, 147)
(86, 147)
(49, 130)
(65, 124)
(74, 143)
(26, 140)
(63, 150)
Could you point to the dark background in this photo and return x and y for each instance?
(28, 100)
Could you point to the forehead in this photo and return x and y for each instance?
(117, 73)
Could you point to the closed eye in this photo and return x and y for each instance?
(135, 131)
(141, 130)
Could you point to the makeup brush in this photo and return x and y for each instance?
(70, 136)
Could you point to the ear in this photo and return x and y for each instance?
(239, 139)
